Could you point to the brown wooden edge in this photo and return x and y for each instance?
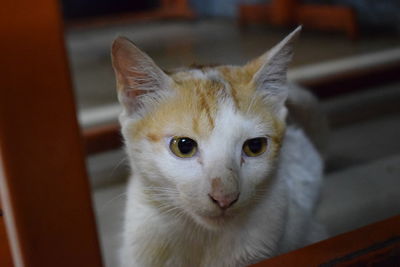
(44, 189)
(102, 138)
(5, 252)
(377, 244)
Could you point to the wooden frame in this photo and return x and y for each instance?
(43, 184)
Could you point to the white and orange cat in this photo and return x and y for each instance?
(219, 178)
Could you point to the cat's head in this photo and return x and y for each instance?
(203, 141)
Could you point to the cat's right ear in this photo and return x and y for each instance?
(136, 74)
(269, 73)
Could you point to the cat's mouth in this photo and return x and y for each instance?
(213, 218)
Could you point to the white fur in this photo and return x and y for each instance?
(278, 222)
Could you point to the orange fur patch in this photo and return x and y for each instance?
(153, 137)
(192, 110)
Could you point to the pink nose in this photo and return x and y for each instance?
(224, 201)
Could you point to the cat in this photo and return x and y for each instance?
(219, 176)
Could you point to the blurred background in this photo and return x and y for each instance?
(348, 55)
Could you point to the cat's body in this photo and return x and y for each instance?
(218, 178)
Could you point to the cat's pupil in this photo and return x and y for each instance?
(186, 145)
(255, 145)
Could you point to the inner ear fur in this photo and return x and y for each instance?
(136, 73)
(270, 71)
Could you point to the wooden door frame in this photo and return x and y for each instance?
(45, 192)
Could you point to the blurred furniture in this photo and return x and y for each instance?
(289, 12)
(167, 9)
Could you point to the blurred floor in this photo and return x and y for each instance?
(363, 176)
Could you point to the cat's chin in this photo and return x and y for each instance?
(213, 222)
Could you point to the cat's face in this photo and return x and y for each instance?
(208, 148)
(203, 142)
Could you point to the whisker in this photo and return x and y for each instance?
(123, 160)
(124, 194)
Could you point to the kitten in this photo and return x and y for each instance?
(218, 177)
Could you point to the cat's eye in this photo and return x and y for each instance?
(255, 147)
(183, 147)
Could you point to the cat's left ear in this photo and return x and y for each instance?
(270, 71)
(136, 74)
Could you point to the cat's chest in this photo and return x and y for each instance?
(190, 248)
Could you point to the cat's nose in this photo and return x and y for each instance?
(224, 201)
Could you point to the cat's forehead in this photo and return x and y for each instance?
(200, 97)
(218, 82)
(224, 74)
(207, 88)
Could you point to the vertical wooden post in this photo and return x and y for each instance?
(44, 189)
(5, 253)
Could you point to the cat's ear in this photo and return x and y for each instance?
(136, 74)
(270, 71)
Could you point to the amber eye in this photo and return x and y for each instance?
(183, 147)
(255, 147)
